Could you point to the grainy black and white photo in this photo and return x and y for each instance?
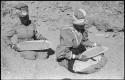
(62, 40)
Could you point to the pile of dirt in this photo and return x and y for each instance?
(107, 16)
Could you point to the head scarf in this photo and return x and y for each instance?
(79, 17)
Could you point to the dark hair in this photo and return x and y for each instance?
(25, 20)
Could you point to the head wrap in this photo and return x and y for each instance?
(79, 16)
(21, 5)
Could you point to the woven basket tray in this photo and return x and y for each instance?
(94, 51)
(34, 45)
(90, 65)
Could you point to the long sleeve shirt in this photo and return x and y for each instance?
(70, 38)
(22, 33)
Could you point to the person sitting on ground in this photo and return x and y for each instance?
(25, 30)
(74, 41)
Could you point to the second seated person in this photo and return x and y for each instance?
(74, 41)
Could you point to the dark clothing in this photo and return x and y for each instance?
(78, 50)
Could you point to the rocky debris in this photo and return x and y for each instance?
(4, 63)
(115, 29)
(105, 16)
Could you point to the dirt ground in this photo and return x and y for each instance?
(107, 27)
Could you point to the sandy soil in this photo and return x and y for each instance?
(53, 15)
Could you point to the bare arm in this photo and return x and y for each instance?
(7, 34)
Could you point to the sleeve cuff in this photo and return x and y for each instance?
(73, 56)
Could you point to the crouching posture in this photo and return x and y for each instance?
(25, 30)
(74, 41)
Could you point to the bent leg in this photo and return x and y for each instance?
(30, 55)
